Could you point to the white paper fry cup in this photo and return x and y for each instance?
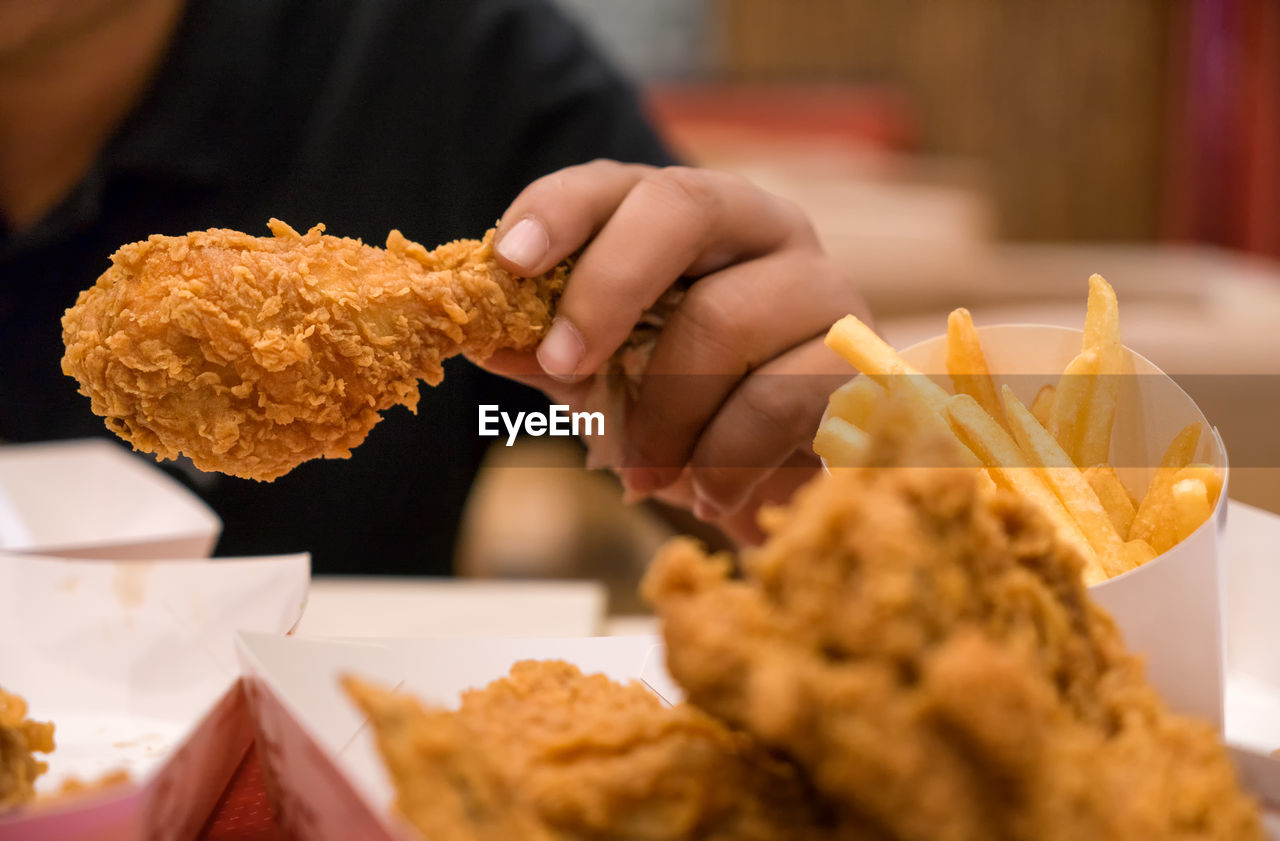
(1168, 609)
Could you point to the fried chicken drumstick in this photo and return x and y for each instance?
(252, 354)
(551, 754)
(926, 652)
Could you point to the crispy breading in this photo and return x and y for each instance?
(926, 652)
(20, 739)
(253, 354)
(550, 754)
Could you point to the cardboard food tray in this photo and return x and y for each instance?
(134, 662)
(95, 499)
(328, 783)
(324, 774)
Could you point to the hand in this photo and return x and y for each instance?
(733, 390)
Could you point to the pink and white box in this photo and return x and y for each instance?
(134, 662)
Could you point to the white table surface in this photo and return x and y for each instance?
(355, 606)
(343, 606)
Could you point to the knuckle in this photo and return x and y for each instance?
(726, 487)
(601, 163)
(710, 321)
(812, 269)
(594, 168)
(548, 188)
(569, 178)
(797, 221)
(715, 481)
(688, 186)
(841, 287)
(771, 407)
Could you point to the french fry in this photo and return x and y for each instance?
(1065, 480)
(1010, 468)
(1102, 314)
(864, 350)
(841, 443)
(856, 400)
(1206, 473)
(1069, 398)
(1135, 553)
(1053, 453)
(1191, 506)
(910, 398)
(1157, 526)
(1113, 495)
(1042, 406)
(871, 355)
(967, 364)
(1101, 335)
(1183, 447)
(929, 423)
(1155, 514)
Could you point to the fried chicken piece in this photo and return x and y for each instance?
(927, 653)
(551, 754)
(252, 354)
(20, 739)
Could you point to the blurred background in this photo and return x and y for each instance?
(985, 153)
(1086, 120)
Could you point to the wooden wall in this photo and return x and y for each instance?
(1063, 100)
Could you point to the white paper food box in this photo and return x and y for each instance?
(94, 499)
(324, 774)
(134, 662)
(1251, 594)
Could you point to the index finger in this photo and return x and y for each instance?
(673, 222)
(555, 215)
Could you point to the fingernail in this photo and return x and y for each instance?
(561, 351)
(526, 243)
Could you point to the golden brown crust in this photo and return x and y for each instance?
(927, 653)
(252, 354)
(549, 754)
(20, 739)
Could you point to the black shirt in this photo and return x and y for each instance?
(366, 115)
